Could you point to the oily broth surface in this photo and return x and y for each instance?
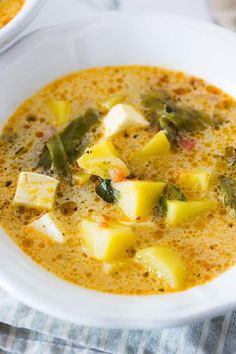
(8, 10)
(206, 243)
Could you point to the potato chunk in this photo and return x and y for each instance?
(118, 265)
(106, 241)
(102, 160)
(178, 211)
(157, 146)
(113, 100)
(61, 111)
(137, 198)
(165, 263)
(35, 190)
(47, 225)
(121, 117)
(196, 179)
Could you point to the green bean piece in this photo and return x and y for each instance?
(59, 159)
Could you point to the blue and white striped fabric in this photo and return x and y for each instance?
(24, 330)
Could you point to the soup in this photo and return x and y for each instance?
(8, 10)
(122, 179)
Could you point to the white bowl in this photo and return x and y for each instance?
(9, 32)
(203, 50)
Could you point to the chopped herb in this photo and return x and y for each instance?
(19, 150)
(217, 122)
(230, 155)
(8, 183)
(68, 208)
(132, 176)
(24, 149)
(59, 159)
(106, 192)
(228, 191)
(31, 119)
(8, 136)
(71, 138)
(171, 192)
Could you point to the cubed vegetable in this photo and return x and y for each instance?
(35, 190)
(102, 160)
(121, 117)
(47, 225)
(157, 146)
(117, 266)
(196, 179)
(111, 101)
(178, 211)
(137, 198)
(106, 241)
(61, 111)
(164, 263)
(81, 178)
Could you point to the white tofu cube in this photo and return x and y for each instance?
(121, 117)
(48, 226)
(35, 190)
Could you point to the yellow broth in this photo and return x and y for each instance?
(206, 242)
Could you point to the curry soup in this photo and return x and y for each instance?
(8, 10)
(122, 179)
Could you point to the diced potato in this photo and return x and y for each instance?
(106, 241)
(137, 198)
(81, 178)
(112, 100)
(47, 225)
(61, 111)
(196, 179)
(121, 117)
(178, 211)
(102, 159)
(157, 146)
(117, 266)
(165, 263)
(35, 190)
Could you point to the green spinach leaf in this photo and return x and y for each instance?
(59, 159)
(228, 191)
(173, 118)
(71, 138)
(106, 192)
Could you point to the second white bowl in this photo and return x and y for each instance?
(10, 32)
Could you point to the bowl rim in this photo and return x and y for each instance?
(26, 14)
(17, 288)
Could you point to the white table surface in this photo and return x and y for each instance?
(65, 11)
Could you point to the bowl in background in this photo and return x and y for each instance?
(12, 29)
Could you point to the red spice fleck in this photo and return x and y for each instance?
(117, 175)
(106, 217)
(103, 224)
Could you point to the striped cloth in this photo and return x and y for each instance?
(24, 330)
